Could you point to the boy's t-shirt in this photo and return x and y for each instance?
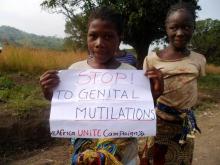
(180, 78)
(84, 65)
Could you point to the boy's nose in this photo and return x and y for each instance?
(99, 42)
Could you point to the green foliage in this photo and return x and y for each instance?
(206, 39)
(76, 39)
(209, 87)
(26, 98)
(17, 37)
(210, 81)
(144, 19)
(206, 104)
(19, 98)
(5, 83)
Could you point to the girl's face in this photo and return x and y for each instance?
(179, 28)
(103, 40)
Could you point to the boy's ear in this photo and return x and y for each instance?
(121, 37)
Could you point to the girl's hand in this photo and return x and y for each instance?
(48, 81)
(156, 80)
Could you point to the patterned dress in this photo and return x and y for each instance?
(176, 124)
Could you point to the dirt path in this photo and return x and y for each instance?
(207, 148)
(56, 155)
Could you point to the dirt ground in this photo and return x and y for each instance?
(207, 148)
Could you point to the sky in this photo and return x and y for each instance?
(28, 16)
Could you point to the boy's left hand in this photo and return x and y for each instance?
(156, 80)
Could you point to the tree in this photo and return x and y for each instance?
(206, 39)
(144, 19)
(76, 14)
(76, 33)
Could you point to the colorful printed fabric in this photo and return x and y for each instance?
(105, 151)
(174, 141)
(189, 125)
(166, 149)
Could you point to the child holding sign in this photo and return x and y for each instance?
(181, 68)
(103, 38)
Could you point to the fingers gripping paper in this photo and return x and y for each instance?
(98, 103)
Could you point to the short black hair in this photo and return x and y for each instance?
(189, 7)
(107, 14)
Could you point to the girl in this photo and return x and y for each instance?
(103, 38)
(181, 68)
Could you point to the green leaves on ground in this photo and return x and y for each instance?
(210, 81)
(18, 97)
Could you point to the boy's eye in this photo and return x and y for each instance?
(92, 35)
(173, 28)
(108, 36)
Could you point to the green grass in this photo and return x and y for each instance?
(209, 86)
(210, 81)
(18, 97)
(206, 104)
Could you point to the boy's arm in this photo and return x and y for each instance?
(48, 81)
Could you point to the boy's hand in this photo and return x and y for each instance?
(48, 81)
(156, 80)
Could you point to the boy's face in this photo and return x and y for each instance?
(102, 40)
(179, 28)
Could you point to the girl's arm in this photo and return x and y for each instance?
(157, 83)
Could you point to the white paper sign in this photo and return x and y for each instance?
(100, 103)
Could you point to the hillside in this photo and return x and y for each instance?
(20, 38)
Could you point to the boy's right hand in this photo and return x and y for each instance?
(48, 81)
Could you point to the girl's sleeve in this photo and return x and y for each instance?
(149, 61)
(145, 63)
(202, 66)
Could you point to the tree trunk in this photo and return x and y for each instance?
(142, 52)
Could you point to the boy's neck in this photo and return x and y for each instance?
(111, 64)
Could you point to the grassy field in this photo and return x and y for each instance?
(20, 69)
(19, 66)
(36, 61)
(210, 81)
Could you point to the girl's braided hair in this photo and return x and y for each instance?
(189, 7)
